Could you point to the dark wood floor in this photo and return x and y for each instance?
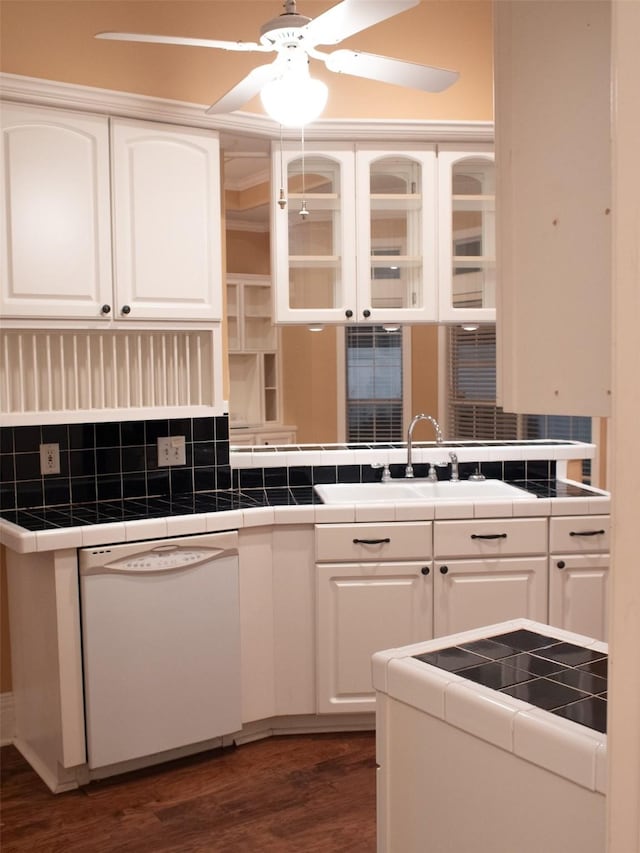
(306, 793)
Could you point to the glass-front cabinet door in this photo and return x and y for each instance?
(396, 251)
(313, 228)
(466, 217)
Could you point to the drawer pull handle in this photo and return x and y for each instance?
(586, 532)
(425, 570)
(488, 535)
(371, 541)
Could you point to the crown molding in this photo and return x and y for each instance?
(35, 90)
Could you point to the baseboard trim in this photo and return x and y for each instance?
(7, 719)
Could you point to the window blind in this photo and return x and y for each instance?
(374, 384)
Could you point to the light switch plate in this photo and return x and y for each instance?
(171, 451)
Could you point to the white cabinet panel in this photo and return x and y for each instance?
(490, 537)
(56, 228)
(166, 222)
(578, 593)
(277, 625)
(361, 609)
(403, 540)
(472, 593)
(294, 610)
(553, 155)
(579, 534)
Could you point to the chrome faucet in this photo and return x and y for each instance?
(409, 469)
(454, 467)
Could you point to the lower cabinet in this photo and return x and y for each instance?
(374, 587)
(472, 593)
(277, 640)
(578, 599)
(578, 574)
(363, 608)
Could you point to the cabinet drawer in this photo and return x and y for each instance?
(579, 534)
(409, 540)
(486, 538)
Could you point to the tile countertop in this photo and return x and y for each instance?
(354, 453)
(109, 522)
(558, 723)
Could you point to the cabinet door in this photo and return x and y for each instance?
(466, 222)
(363, 608)
(472, 593)
(396, 242)
(553, 149)
(56, 228)
(578, 593)
(166, 184)
(313, 253)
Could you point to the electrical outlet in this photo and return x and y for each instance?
(49, 459)
(171, 451)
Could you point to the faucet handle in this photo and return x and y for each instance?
(386, 473)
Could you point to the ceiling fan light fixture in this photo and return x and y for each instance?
(294, 99)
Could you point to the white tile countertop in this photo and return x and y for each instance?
(568, 749)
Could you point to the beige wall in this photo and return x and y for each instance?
(309, 366)
(248, 253)
(424, 372)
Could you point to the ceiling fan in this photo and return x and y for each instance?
(295, 37)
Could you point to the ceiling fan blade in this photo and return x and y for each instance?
(244, 90)
(188, 42)
(386, 70)
(350, 17)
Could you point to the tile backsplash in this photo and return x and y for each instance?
(110, 461)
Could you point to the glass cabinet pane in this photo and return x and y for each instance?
(473, 233)
(395, 205)
(314, 227)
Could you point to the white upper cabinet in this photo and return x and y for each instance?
(56, 228)
(355, 239)
(166, 202)
(466, 229)
(554, 191)
(313, 256)
(62, 220)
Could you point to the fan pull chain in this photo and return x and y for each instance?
(282, 201)
(303, 208)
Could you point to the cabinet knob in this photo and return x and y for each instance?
(425, 570)
(366, 313)
(348, 313)
(444, 570)
(561, 564)
(106, 309)
(126, 309)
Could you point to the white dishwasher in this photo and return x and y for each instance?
(161, 645)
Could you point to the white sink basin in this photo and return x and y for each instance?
(419, 490)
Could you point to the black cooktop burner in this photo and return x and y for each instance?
(136, 509)
(568, 680)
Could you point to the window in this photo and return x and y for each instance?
(471, 383)
(374, 372)
(471, 368)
